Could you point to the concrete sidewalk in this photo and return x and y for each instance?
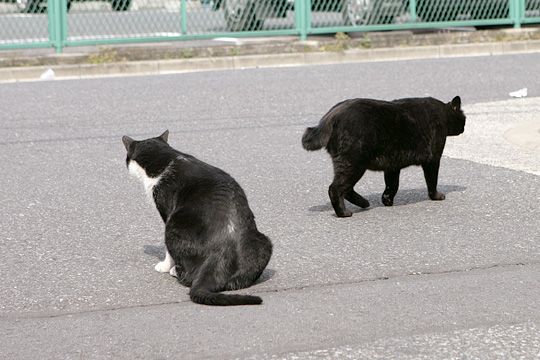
(502, 133)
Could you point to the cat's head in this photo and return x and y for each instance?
(149, 155)
(456, 121)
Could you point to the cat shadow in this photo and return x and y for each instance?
(158, 251)
(266, 275)
(403, 197)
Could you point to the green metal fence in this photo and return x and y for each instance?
(61, 23)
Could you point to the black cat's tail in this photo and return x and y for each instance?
(315, 138)
(201, 295)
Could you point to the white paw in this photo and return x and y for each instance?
(173, 272)
(163, 266)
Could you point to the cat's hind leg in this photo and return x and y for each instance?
(346, 175)
(255, 253)
(391, 180)
(212, 277)
(431, 174)
(181, 275)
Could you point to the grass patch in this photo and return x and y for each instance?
(104, 56)
(341, 43)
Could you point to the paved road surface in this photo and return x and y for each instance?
(422, 279)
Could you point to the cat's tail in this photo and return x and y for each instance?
(315, 138)
(256, 252)
(201, 295)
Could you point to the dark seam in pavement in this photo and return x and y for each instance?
(382, 278)
(84, 312)
(314, 116)
(210, 119)
(148, 134)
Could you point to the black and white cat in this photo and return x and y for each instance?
(366, 134)
(211, 238)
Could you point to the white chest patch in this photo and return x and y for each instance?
(148, 182)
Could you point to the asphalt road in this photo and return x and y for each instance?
(431, 280)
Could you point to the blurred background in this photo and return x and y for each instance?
(61, 23)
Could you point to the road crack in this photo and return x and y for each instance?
(23, 317)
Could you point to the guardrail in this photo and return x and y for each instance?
(61, 23)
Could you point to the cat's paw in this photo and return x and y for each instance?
(437, 196)
(363, 203)
(387, 200)
(354, 198)
(345, 213)
(163, 266)
(173, 272)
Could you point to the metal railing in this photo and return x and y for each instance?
(61, 23)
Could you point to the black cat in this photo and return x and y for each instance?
(362, 134)
(210, 231)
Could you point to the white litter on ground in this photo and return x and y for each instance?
(47, 75)
(229, 39)
(519, 93)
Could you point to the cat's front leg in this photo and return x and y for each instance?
(391, 180)
(165, 265)
(431, 174)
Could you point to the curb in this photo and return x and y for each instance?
(156, 67)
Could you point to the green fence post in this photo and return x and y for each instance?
(300, 18)
(52, 25)
(57, 23)
(412, 9)
(183, 16)
(63, 21)
(515, 12)
(307, 16)
(522, 7)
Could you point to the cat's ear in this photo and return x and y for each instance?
(127, 141)
(456, 103)
(165, 136)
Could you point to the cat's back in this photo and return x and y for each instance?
(375, 107)
(187, 170)
(194, 176)
(203, 188)
(370, 126)
(360, 106)
(420, 107)
(366, 118)
(400, 114)
(416, 101)
(365, 113)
